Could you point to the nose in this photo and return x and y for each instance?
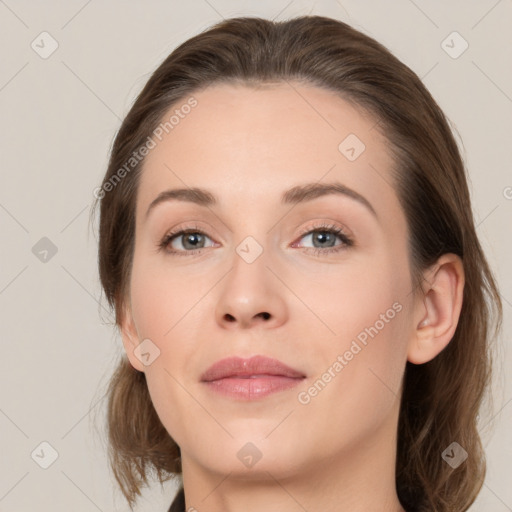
(251, 296)
(242, 319)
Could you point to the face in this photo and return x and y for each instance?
(316, 278)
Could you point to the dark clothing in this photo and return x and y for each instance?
(178, 504)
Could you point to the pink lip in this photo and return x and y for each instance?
(251, 378)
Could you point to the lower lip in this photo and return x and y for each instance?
(252, 388)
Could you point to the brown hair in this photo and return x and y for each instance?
(441, 399)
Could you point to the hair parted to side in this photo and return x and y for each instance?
(442, 398)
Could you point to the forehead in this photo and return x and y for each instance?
(251, 143)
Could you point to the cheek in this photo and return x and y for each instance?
(356, 300)
(162, 296)
(365, 314)
(162, 305)
(357, 386)
(163, 311)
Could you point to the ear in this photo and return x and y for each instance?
(130, 338)
(437, 309)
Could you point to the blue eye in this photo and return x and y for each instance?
(325, 236)
(193, 240)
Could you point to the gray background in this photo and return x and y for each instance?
(59, 115)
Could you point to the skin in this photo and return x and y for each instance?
(247, 146)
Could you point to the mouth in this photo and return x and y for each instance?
(249, 379)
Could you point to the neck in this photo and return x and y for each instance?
(361, 478)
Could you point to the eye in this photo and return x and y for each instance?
(323, 237)
(189, 241)
(184, 242)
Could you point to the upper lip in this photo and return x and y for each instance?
(256, 365)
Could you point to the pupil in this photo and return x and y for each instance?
(192, 239)
(323, 236)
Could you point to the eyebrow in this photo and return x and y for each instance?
(293, 196)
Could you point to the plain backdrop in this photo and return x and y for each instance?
(59, 113)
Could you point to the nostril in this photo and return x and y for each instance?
(265, 315)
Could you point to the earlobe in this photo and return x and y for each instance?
(130, 338)
(437, 310)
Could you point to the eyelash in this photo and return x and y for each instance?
(317, 251)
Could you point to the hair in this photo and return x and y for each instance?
(441, 399)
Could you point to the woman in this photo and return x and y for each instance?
(287, 239)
